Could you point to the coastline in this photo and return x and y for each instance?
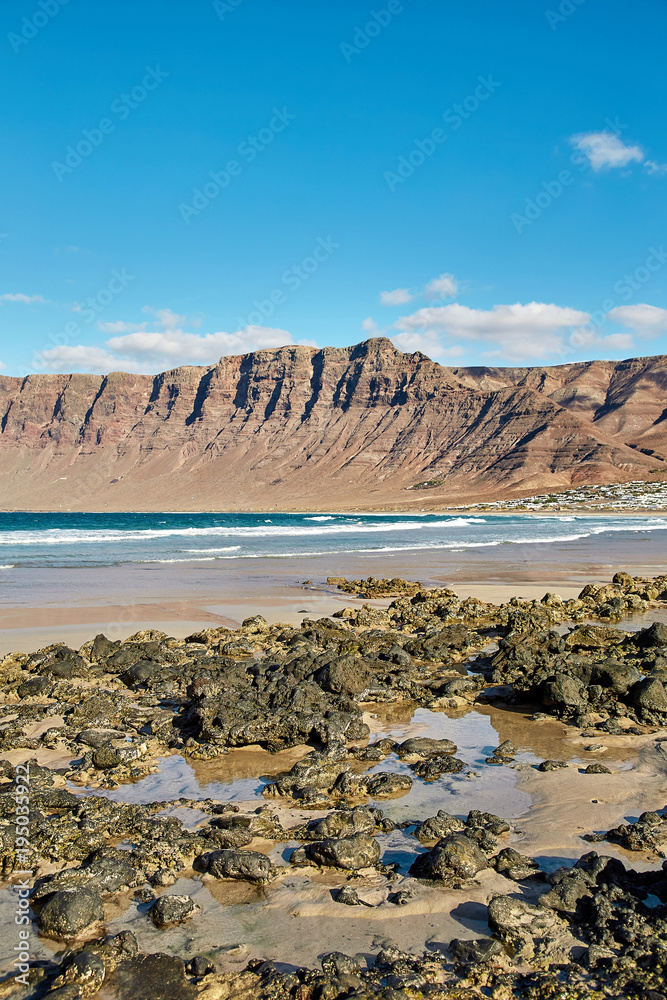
(545, 815)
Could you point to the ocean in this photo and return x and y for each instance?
(112, 539)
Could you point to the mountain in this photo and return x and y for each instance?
(332, 428)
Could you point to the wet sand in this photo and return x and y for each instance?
(39, 606)
(295, 919)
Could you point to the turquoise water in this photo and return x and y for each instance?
(73, 539)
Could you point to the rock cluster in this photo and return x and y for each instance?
(116, 706)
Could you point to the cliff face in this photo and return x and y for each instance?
(330, 428)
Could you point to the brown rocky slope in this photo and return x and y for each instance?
(330, 428)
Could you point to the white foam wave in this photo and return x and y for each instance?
(63, 536)
(224, 548)
(194, 559)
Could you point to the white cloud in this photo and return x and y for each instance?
(518, 332)
(398, 297)
(428, 343)
(139, 349)
(648, 321)
(605, 149)
(21, 297)
(94, 359)
(175, 346)
(617, 342)
(443, 287)
(371, 327)
(652, 167)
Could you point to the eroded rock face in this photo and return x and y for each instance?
(293, 412)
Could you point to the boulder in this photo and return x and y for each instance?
(436, 827)
(350, 853)
(70, 912)
(515, 866)
(167, 911)
(564, 690)
(423, 746)
(85, 970)
(246, 866)
(525, 930)
(454, 858)
(650, 695)
(105, 870)
(653, 636)
(474, 952)
(613, 674)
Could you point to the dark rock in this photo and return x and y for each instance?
(422, 746)
(551, 765)
(105, 870)
(431, 768)
(453, 858)
(350, 853)
(525, 930)
(33, 687)
(200, 966)
(348, 896)
(649, 694)
(564, 690)
(151, 977)
(653, 636)
(437, 827)
(86, 970)
(401, 898)
(169, 910)
(70, 912)
(613, 674)
(248, 866)
(338, 964)
(514, 866)
(475, 952)
(597, 769)
(348, 675)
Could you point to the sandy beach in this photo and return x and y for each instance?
(295, 914)
(40, 606)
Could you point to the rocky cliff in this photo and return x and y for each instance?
(330, 428)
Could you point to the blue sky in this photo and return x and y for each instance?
(183, 179)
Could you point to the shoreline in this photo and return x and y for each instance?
(179, 785)
(359, 511)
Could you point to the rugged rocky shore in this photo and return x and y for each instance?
(98, 719)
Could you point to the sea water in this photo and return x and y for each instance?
(66, 539)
